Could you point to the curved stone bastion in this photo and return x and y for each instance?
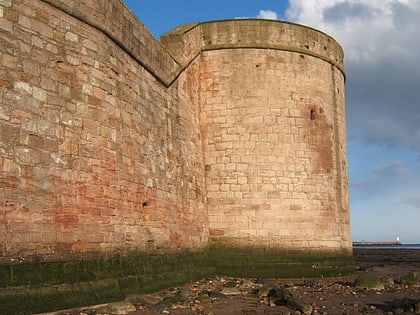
(129, 164)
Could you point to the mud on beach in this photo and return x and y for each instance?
(386, 281)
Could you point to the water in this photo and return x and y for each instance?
(402, 246)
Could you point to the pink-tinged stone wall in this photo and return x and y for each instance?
(271, 151)
(97, 154)
(274, 136)
(110, 141)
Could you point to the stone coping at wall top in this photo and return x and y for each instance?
(186, 41)
(184, 28)
(116, 21)
(167, 59)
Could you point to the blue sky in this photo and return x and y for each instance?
(382, 57)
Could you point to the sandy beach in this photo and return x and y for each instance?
(386, 281)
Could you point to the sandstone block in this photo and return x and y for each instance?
(5, 25)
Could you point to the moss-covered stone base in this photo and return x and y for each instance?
(41, 287)
(280, 264)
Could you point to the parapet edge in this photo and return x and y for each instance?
(114, 19)
(165, 60)
(251, 33)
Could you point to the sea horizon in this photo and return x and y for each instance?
(394, 246)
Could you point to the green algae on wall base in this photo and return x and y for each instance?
(42, 287)
(279, 264)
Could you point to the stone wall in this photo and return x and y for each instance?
(273, 124)
(97, 154)
(222, 146)
(273, 142)
(271, 156)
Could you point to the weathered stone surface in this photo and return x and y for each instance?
(275, 296)
(406, 306)
(336, 295)
(119, 308)
(247, 147)
(107, 133)
(112, 142)
(369, 282)
(412, 279)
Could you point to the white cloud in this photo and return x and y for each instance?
(395, 168)
(381, 47)
(366, 28)
(388, 178)
(380, 41)
(267, 14)
(412, 200)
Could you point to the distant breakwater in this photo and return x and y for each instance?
(376, 243)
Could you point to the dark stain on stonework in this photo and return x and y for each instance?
(320, 141)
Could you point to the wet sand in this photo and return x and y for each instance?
(329, 296)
